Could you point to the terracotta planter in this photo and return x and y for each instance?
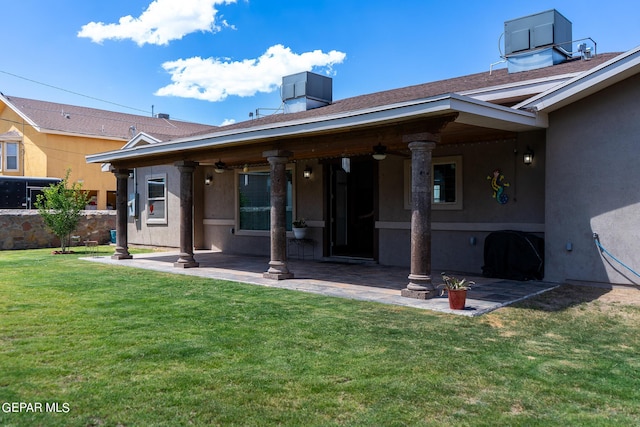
(299, 233)
(457, 298)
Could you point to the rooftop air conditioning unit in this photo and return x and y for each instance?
(305, 91)
(535, 41)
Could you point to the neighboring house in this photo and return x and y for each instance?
(44, 139)
(415, 176)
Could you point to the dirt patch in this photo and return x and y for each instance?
(622, 296)
(566, 296)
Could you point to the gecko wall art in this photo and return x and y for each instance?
(498, 185)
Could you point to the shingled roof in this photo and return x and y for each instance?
(71, 119)
(51, 117)
(461, 85)
(483, 104)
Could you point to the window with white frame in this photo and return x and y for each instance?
(157, 199)
(9, 156)
(254, 200)
(446, 183)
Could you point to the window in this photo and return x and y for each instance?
(11, 156)
(157, 199)
(446, 181)
(254, 200)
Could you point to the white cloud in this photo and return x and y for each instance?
(162, 22)
(213, 79)
(227, 122)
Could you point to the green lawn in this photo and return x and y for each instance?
(125, 347)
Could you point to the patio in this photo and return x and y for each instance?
(365, 281)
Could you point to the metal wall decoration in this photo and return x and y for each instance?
(498, 185)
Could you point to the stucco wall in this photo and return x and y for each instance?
(64, 152)
(25, 229)
(220, 218)
(50, 155)
(592, 176)
(220, 229)
(140, 231)
(458, 235)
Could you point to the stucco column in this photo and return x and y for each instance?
(278, 269)
(420, 285)
(186, 259)
(122, 250)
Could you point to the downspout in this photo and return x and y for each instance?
(22, 164)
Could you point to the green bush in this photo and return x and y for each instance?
(60, 206)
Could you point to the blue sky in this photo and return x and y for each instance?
(215, 61)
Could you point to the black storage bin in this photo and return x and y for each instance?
(513, 255)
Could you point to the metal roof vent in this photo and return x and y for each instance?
(163, 116)
(306, 91)
(535, 41)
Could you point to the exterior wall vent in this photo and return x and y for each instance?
(537, 41)
(306, 91)
(163, 116)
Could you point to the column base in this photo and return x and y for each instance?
(428, 294)
(188, 264)
(419, 287)
(277, 276)
(121, 256)
(420, 282)
(186, 260)
(277, 271)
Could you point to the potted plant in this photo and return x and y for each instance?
(299, 227)
(456, 291)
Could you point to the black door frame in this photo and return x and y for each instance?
(361, 193)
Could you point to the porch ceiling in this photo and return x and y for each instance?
(352, 134)
(342, 144)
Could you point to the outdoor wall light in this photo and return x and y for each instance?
(208, 180)
(346, 164)
(307, 172)
(379, 152)
(220, 167)
(245, 168)
(527, 157)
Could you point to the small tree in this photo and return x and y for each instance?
(60, 207)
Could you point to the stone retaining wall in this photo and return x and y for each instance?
(25, 229)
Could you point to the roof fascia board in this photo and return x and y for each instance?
(604, 75)
(476, 112)
(19, 112)
(527, 87)
(377, 115)
(284, 129)
(139, 138)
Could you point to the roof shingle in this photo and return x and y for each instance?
(470, 82)
(73, 119)
(51, 116)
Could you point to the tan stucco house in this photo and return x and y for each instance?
(44, 139)
(414, 176)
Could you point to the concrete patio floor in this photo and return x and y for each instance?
(364, 281)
